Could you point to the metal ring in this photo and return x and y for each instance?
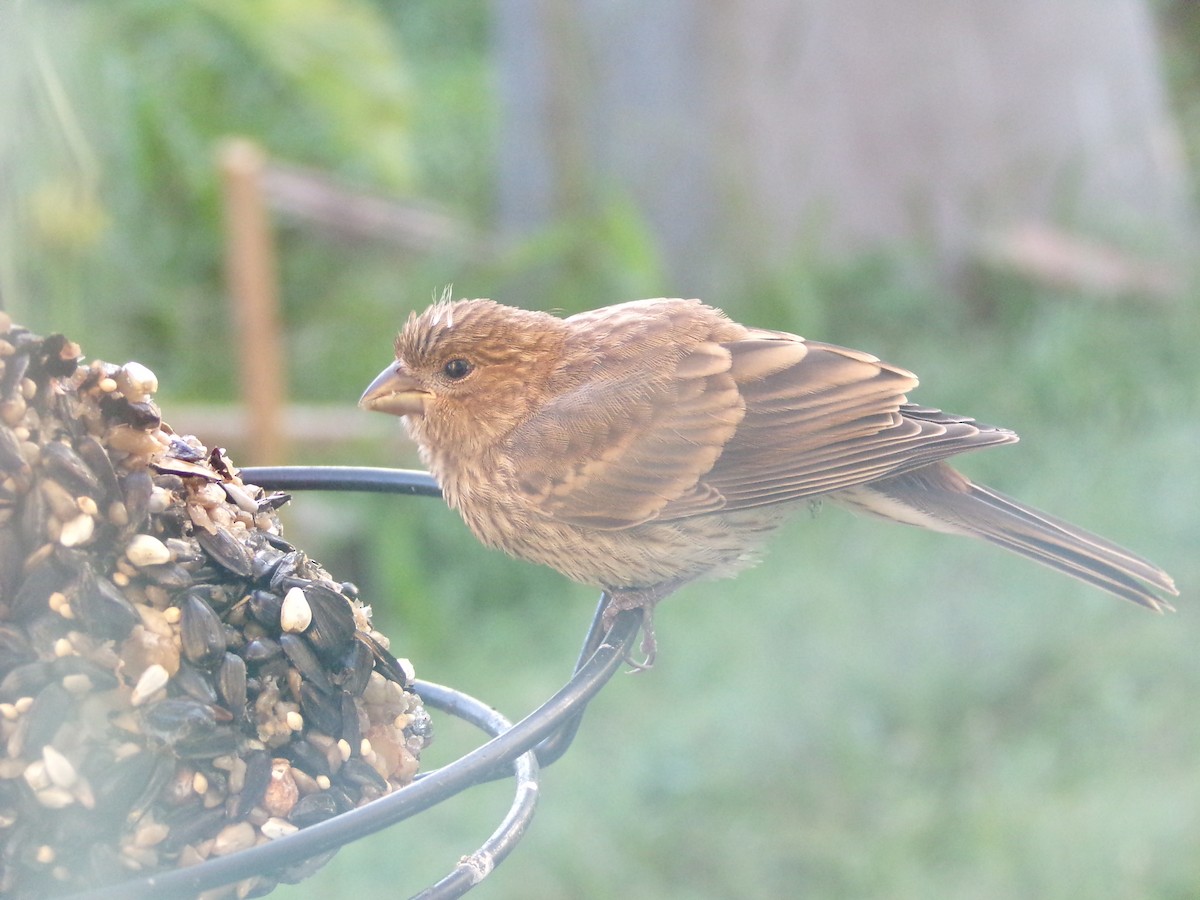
(549, 729)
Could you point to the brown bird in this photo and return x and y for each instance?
(644, 445)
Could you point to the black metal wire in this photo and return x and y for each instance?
(364, 479)
(416, 483)
(562, 711)
(520, 749)
(340, 830)
(555, 744)
(510, 745)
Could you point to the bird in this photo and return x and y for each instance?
(644, 445)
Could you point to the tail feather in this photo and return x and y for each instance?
(1077, 552)
(938, 497)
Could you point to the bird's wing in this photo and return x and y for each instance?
(642, 420)
(677, 419)
(820, 418)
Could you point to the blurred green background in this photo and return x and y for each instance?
(873, 712)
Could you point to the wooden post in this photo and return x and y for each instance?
(254, 294)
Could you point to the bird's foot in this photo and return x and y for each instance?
(644, 599)
(649, 644)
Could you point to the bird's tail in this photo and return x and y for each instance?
(938, 497)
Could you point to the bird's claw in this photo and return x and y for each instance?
(649, 646)
(645, 601)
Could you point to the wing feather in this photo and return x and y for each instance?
(644, 426)
(831, 419)
(683, 413)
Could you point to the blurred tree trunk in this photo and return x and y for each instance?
(745, 130)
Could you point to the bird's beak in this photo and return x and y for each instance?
(394, 391)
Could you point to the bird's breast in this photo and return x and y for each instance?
(643, 555)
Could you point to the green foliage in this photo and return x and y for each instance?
(574, 265)
(132, 98)
(453, 111)
(339, 60)
(1180, 31)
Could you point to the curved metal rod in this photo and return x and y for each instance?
(416, 483)
(340, 830)
(366, 479)
(474, 768)
(554, 745)
(474, 868)
(549, 730)
(558, 715)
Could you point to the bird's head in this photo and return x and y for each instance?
(467, 372)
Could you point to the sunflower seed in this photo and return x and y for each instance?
(322, 711)
(181, 448)
(306, 662)
(77, 531)
(36, 518)
(201, 632)
(146, 550)
(63, 463)
(332, 626)
(25, 680)
(171, 576)
(50, 711)
(14, 372)
(351, 728)
(226, 551)
(14, 649)
(275, 828)
(92, 452)
(12, 459)
(358, 773)
(58, 767)
(196, 684)
(313, 808)
(140, 416)
(136, 381)
(386, 664)
(102, 608)
(74, 666)
(285, 575)
(137, 488)
(295, 613)
(231, 684)
(258, 775)
(260, 650)
(207, 744)
(149, 683)
(306, 757)
(354, 669)
(266, 560)
(192, 827)
(272, 502)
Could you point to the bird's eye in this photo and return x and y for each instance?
(457, 368)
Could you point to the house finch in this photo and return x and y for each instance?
(644, 445)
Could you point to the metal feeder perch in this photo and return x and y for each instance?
(514, 750)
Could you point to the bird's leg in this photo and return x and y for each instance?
(645, 599)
